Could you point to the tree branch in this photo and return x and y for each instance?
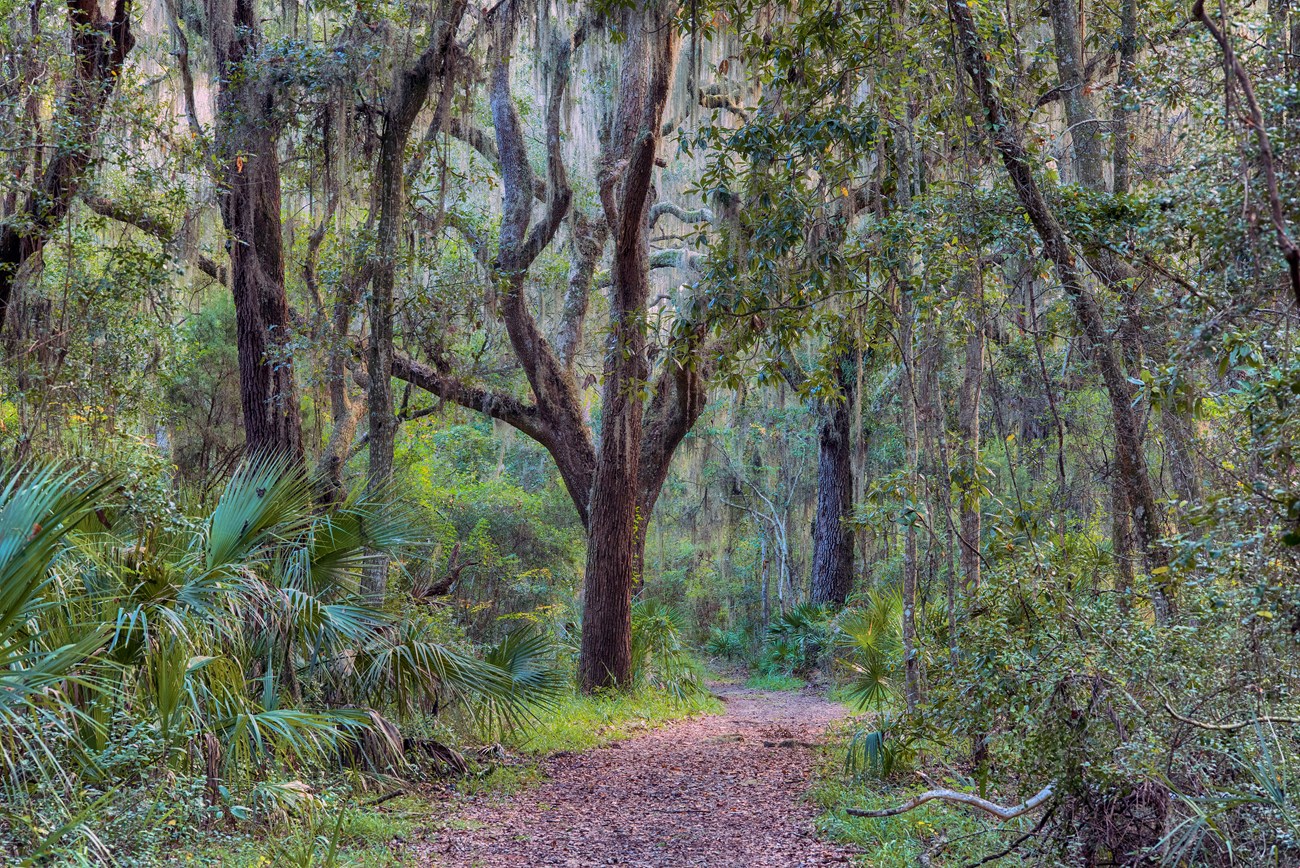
(151, 225)
(1256, 120)
(697, 215)
(679, 257)
(1232, 726)
(507, 408)
(1035, 801)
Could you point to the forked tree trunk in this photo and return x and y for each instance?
(99, 49)
(249, 175)
(616, 546)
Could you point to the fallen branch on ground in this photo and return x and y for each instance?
(962, 798)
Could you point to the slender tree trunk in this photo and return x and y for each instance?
(403, 102)
(832, 568)
(1121, 537)
(1133, 469)
(249, 176)
(968, 446)
(911, 660)
(1085, 128)
(1122, 133)
(1180, 450)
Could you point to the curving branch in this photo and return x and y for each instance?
(182, 55)
(679, 397)
(1255, 120)
(589, 234)
(696, 215)
(677, 257)
(151, 225)
(481, 141)
(1036, 801)
(1231, 726)
(498, 405)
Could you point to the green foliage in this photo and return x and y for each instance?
(869, 649)
(730, 645)
(796, 640)
(241, 633)
(659, 658)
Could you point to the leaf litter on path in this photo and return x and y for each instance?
(723, 791)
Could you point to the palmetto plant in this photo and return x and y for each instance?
(796, 639)
(868, 640)
(869, 650)
(38, 721)
(245, 637)
(659, 657)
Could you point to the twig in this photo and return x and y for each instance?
(1227, 727)
(1256, 120)
(1011, 848)
(385, 798)
(962, 798)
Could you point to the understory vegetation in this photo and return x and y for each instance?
(395, 395)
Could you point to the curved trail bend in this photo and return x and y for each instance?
(723, 791)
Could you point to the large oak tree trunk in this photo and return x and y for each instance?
(615, 548)
(249, 175)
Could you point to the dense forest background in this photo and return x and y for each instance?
(377, 376)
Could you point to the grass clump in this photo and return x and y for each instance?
(775, 682)
(579, 722)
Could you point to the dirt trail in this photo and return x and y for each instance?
(716, 791)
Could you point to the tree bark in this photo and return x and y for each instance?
(249, 177)
(1124, 85)
(1085, 126)
(832, 568)
(402, 104)
(911, 441)
(968, 446)
(617, 524)
(99, 48)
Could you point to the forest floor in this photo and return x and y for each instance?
(719, 791)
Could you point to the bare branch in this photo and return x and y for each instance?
(1231, 726)
(1035, 801)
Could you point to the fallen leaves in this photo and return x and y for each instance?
(705, 792)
